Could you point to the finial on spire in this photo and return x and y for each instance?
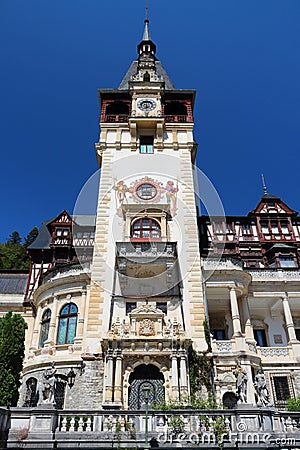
(264, 184)
(146, 35)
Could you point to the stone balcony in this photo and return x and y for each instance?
(267, 354)
(66, 271)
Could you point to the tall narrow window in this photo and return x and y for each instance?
(284, 227)
(67, 324)
(146, 144)
(45, 325)
(281, 386)
(264, 227)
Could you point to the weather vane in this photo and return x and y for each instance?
(147, 10)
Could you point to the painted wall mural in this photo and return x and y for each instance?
(146, 190)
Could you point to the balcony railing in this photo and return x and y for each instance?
(112, 118)
(175, 118)
(137, 251)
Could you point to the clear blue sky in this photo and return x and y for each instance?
(242, 57)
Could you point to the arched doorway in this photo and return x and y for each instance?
(150, 376)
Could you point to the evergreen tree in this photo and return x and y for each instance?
(14, 239)
(13, 254)
(31, 237)
(12, 347)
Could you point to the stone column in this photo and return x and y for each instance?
(118, 378)
(52, 328)
(36, 330)
(235, 315)
(183, 374)
(288, 319)
(248, 325)
(109, 376)
(175, 387)
(79, 331)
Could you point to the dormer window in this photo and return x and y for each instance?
(61, 232)
(146, 144)
(287, 262)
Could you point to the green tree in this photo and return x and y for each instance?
(31, 237)
(13, 254)
(14, 239)
(12, 347)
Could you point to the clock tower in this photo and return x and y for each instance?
(146, 308)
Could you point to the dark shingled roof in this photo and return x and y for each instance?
(13, 283)
(159, 70)
(43, 239)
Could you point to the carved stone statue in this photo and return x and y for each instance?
(48, 387)
(262, 391)
(241, 384)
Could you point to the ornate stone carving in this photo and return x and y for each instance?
(147, 327)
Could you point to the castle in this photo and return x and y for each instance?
(120, 304)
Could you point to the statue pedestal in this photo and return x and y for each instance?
(43, 422)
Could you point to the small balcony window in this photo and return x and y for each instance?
(146, 144)
(219, 335)
(260, 337)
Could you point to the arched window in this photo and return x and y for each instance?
(145, 229)
(45, 327)
(67, 324)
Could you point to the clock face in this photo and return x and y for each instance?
(146, 104)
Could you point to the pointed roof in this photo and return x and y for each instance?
(146, 35)
(146, 51)
(264, 207)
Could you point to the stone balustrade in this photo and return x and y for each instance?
(247, 425)
(222, 264)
